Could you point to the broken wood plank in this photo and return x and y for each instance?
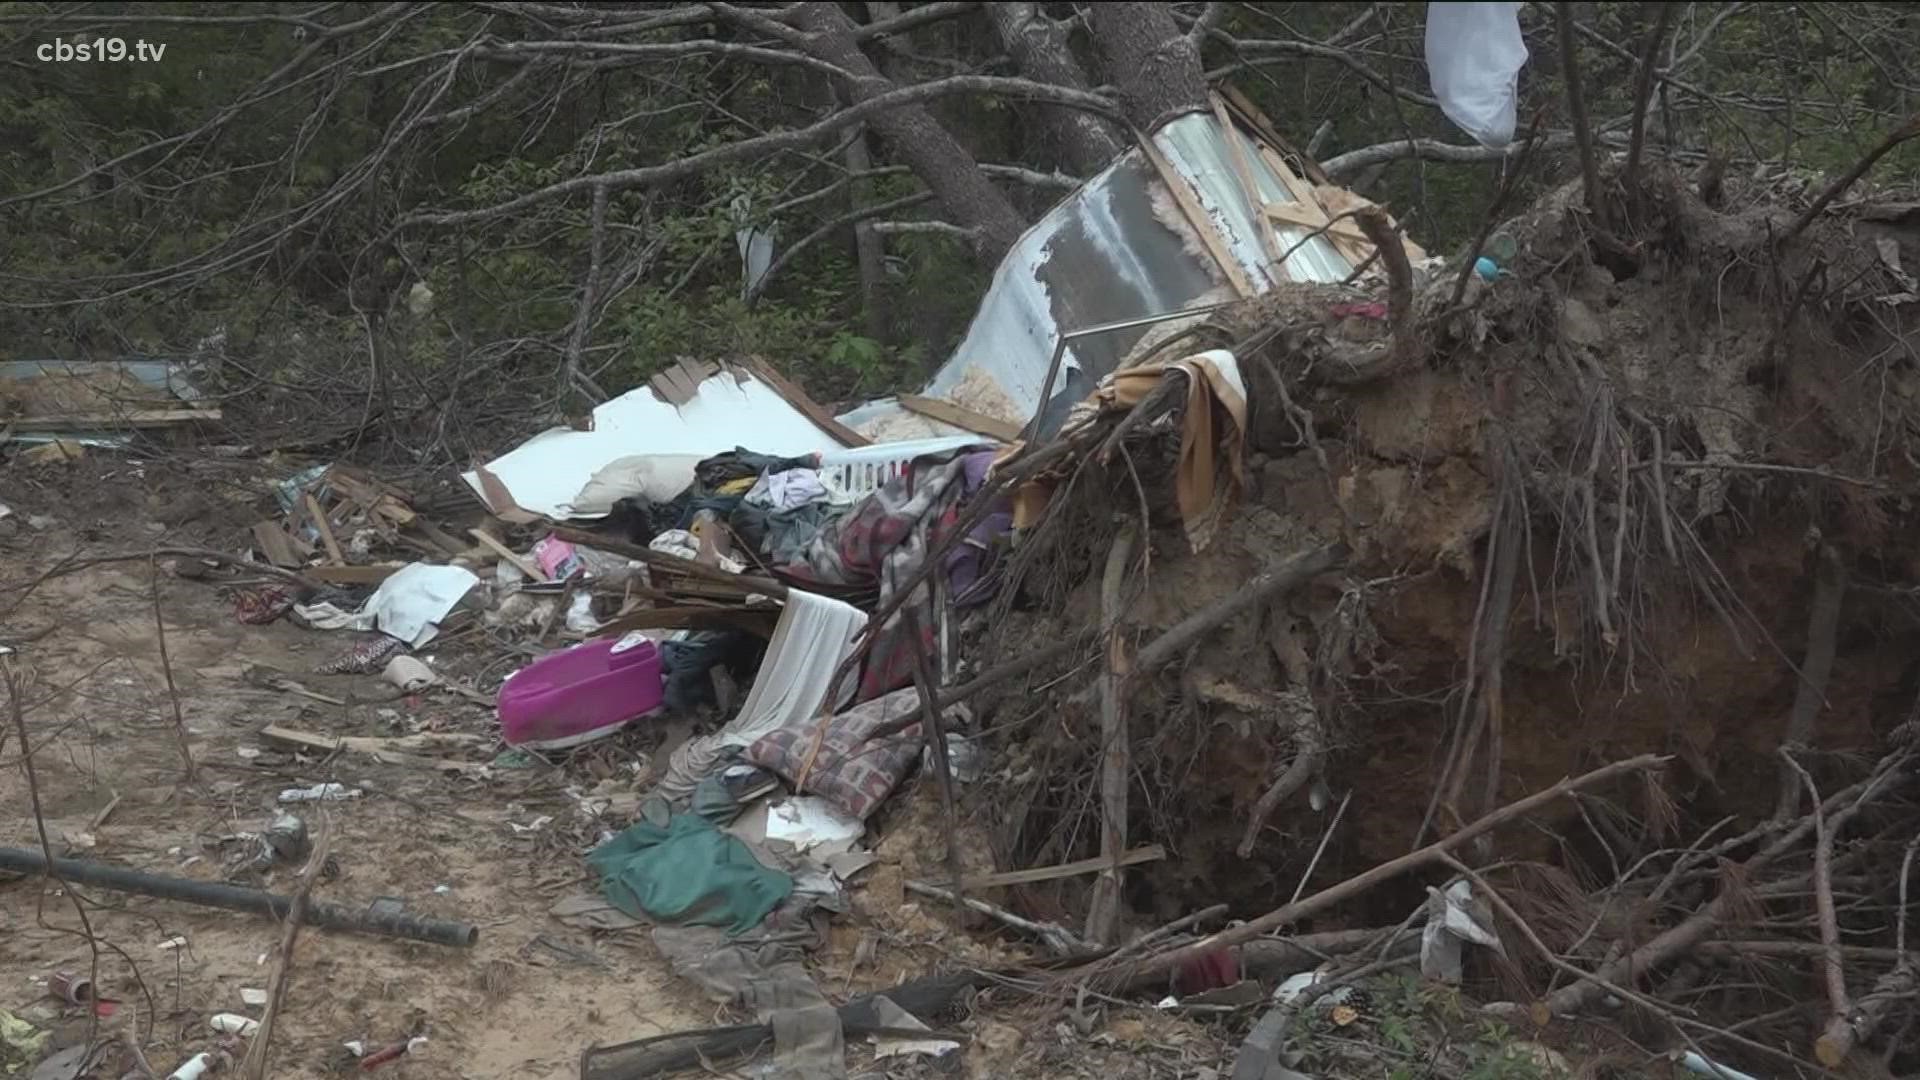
(373, 496)
(1197, 218)
(948, 413)
(1244, 107)
(325, 527)
(525, 564)
(689, 617)
(393, 751)
(1147, 854)
(1249, 187)
(808, 407)
(660, 560)
(132, 418)
(440, 536)
(352, 575)
(276, 545)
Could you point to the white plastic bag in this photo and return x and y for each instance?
(1474, 56)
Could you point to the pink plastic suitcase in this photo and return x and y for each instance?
(580, 694)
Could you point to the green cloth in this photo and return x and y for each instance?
(688, 872)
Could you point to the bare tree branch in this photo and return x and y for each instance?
(766, 145)
(1353, 161)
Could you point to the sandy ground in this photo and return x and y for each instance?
(532, 993)
(98, 711)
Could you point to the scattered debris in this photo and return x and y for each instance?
(327, 792)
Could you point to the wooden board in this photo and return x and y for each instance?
(395, 751)
(320, 522)
(276, 545)
(1197, 218)
(948, 413)
(525, 564)
(1249, 187)
(1150, 853)
(1247, 110)
(102, 421)
(759, 623)
(351, 575)
(810, 408)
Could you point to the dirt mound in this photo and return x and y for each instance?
(1595, 507)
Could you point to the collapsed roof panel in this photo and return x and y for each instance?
(657, 432)
(1124, 246)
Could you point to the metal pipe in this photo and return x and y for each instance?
(386, 918)
(1060, 350)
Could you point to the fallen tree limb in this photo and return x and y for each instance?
(1688, 933)
(664, 1054)
(1147, 854)
(1589, 979)
(1116, 770)
(1057, 938)
(1430, 855)
(986, 680)
(1833, 969)
(1894, 138)
(1290, 574)
(1829, 583)
(1902, 984)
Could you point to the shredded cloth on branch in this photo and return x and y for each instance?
(1206, 486)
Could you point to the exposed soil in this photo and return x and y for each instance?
(101, 719)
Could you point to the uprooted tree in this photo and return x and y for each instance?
(1649, 491)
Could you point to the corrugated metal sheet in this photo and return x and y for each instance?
(1105, 255)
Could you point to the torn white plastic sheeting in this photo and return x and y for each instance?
(893, 1016)
(409, 604)
(1454, 916)
(1474, 56)
(549, 473)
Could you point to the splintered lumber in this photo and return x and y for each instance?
(325, 527)
(948, 413)
(393, 751)
(276, 545)
(526, 565)
(377, 499)
(741, 584)
(352, 575)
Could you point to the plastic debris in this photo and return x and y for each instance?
(193, 1068)
(20, 1042)
(327, 792)
(233, 1024)
(1295, 987)
(1454, 916)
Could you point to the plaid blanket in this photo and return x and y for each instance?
(883, 541)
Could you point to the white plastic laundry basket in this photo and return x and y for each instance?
(864, 470)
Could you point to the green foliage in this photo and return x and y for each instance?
(1408, 1029)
